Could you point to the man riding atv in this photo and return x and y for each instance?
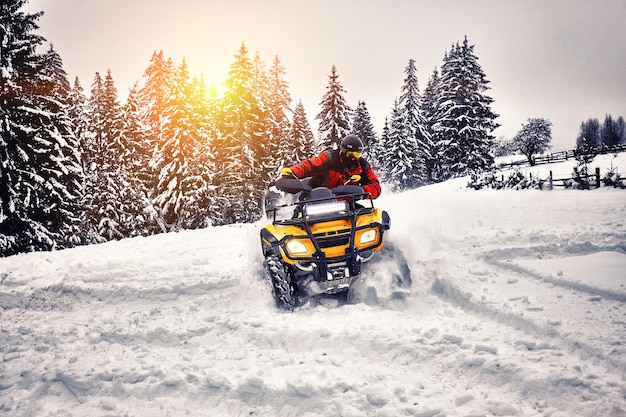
(342, 166)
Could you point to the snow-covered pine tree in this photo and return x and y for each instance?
(104, 209)
(151, 96)
(69, 172)
(79, 114)
(398, 155)
(40, 175)
(158, 76)
(241, 131)
(139, 216)
(429, 110)
(362, 127)
(411, 104)
(621, 130)
(334, 116)
(184, 179)
(611, 133)
(301, 142)
(277, 120)
(464, 119)
(377, 153)
(589, 134)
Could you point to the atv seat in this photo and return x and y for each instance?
(319, 193)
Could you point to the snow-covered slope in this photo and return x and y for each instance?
(518, 310)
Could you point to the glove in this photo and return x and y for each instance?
(286, 172)
(355, 179)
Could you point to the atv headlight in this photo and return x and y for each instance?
(320, 209)
(296, 247)
(368, 237)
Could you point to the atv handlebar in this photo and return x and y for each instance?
(294, 185)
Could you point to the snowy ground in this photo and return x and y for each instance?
(518, 310)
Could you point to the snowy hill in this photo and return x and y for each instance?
(518, 310)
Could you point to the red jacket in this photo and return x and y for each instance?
(330, 169)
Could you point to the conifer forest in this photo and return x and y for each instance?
(78, 166)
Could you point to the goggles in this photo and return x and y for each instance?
(353, 154)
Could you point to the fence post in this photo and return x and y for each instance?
(598, 177)
(550, 181)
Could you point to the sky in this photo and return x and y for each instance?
(563, 60)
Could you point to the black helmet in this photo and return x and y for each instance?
(351, 143)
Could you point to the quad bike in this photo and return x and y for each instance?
(317, 244)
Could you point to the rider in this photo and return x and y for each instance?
(337, 167)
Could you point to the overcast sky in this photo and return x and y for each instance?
(564, 60)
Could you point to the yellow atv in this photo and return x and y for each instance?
(317, 244)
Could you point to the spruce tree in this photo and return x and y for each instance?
(334, 116)
(362, 127)
(398, 156)
(301, 142)
(464, 119)
(40, 175)
(238, 151)
(139, 216)
(621, 130)
(377, 152)
(610, 134)
(429, 111)
(277, 121)
(104, 210)
(183, 177)
(589, 135)
(418, 141)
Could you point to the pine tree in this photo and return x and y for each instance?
(241, 132)
(429, 111)
(139, 216)
(377, 152)
(589, 135)
(151, 104)
(621, 130)
(277, 121)
(398, 155)
(152, 95)
(183, 177)
(362, 127)
(104, 210)
(418, 142)
(40, 175)
(610, 135)
(71, 176)
(301, 142)
(464, 119)
(334, 116)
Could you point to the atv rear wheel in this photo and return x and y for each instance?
(282, 287)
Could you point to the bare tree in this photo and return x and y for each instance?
(534, 138)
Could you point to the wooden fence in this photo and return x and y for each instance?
(564, 156)
(580, 181)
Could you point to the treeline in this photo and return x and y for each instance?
(609, 134)
(78, 169)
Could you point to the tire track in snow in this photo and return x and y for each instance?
(494, 308)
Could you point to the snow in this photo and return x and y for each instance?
(517, 310)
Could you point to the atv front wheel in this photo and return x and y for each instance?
(282, 288)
